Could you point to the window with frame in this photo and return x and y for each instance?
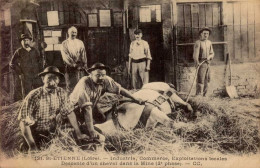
(150, 13)
(68, 12)
(191, 17)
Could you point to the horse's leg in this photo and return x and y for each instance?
(158, 116)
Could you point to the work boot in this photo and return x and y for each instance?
(199, 90)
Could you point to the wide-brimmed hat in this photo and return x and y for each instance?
(25, 36)
(51, 69)
(203, 29)
(97, 66)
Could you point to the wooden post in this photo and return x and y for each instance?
(174, 43)
(224, 22)
(11, 76)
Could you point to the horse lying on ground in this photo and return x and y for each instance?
(160, 100)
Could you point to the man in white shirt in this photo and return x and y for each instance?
(203, 51)
(139, 60)
(74, 55)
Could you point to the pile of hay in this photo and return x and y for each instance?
(9, 125)
(219, 126)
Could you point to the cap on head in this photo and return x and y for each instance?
(25, 36)
(138, 31)
(53, 70)
(98, 66)
(205, 29)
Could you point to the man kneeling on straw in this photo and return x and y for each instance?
(38, 112)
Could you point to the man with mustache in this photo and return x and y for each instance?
(75, 59)
(89, 89)
(40, 108)
(139, 60)
(26, 63)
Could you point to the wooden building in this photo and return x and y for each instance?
(106, 28)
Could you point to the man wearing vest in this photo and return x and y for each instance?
(203, 51)
(139, 60)
(88, 91)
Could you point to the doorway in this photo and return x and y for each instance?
(150, 23)
(152, 33)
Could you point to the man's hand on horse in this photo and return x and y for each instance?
(82, 136)
(189, 108)
(139, 101)
(93, 135)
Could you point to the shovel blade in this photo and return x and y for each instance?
(231, 91)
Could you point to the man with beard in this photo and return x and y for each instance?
(75, 59)
(89, 89)
(39, 109)
(27, 63)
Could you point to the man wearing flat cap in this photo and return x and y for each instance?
(139, 60)
(38, 112)
(203, 51)
(26, 63)
(89, 89)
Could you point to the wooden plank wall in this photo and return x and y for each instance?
(242, 32)
(191, 17)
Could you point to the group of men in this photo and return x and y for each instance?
(42, 105)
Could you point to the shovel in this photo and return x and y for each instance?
(231, 90)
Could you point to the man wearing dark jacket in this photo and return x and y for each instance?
(26, 63)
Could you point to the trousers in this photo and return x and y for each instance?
(72, 76)
(139, 75)
(203, 79)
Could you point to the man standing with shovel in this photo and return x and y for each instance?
(203, 53)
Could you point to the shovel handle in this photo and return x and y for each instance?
(195, 77)
(230, 69)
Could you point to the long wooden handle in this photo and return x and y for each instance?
(230, 70)
(195, 77)
(226, 80)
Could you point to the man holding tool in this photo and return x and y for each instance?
(203, 53)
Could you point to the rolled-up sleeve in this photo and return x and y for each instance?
(112, 86)
(79, 96)
(147, 51)
(66, 107)
(131, 50)
(83, 54)
(211, 51)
